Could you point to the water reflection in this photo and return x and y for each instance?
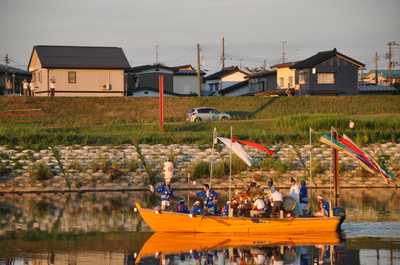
(103, 228)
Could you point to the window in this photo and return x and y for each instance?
(326, 78)
(290, 81)
(281, 82)
(302, 78)
(40, 76)
(72, 77)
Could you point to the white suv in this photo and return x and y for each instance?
(207, 114)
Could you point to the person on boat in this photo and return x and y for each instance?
(303, 196)
(181, 207)
(225, 209)
(257, 208)
(196, 209)
(208, 195)
(166, 193)
(213, 209)
(295, 194)
(269, 190)
(323, 210)
(276, 202)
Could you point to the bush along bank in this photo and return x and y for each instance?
(134, 167)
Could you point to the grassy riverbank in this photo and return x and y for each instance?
(33, 122)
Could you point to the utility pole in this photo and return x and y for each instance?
(223, 53)
(198, 70)
(6, 74)
(283, 51)
(156, 53)
(265, 65)
(376, 68)
(390, 63)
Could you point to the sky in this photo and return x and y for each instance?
(255, 32)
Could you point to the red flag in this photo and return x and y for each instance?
(255, 145)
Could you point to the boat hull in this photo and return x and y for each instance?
(171, 222)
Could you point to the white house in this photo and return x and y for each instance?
(79, 71)
(223, 79)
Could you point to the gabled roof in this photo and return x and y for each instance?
(234, 87)
(323, 56)
(262, 74)
(183, 67)
(225, 72)
(142, 68)
(80, 57)
(13, 70)
(283, 65)
(385, 73)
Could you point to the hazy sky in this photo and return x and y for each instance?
(253, 30)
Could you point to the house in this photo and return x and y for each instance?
(285, 77)
(376, 90)
(327, 73)
(16, 76)
(143, 81)
(78, 70)
(223, 79)
(383, 77)
(255, 83)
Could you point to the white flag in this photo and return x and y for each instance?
(237, 149)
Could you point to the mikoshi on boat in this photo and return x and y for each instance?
(188, 242)
(173, 222)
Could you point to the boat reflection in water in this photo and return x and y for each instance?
(203, 248)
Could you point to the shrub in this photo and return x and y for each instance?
(199, 169)
(281, 167)
(238, 165)
(39, 172)
(219, 170)
(266, 164)
(132, 165)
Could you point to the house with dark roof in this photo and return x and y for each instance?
(381, 77)
(254, 83)
(16, 76)
(327, 73)
(79, 70)
(225, 78)
(143, 81)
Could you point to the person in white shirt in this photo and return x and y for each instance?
(32, 87)
(295, 191)
(276, 199)
(351, 125)
(258, 207)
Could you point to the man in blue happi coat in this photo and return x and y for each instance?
(323, 210)
(196, 209)
(208, 195)
(225, 209)
(181, 207)
(166, 193)
(213, 208)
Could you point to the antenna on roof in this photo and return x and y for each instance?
(157, 54)
(283, 51)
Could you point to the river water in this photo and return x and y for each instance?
(103, 228)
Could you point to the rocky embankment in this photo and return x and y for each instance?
(79, 168)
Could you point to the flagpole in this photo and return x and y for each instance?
(230, 167)
(330, 175)
(310, 170)
(212, 154)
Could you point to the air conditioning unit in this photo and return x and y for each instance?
(105, 86)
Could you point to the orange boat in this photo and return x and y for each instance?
(186, 242)
(172, 222)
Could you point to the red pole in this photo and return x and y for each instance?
(161, 89)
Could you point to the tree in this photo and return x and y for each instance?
(255, 70)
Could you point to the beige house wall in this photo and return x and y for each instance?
(285, 73)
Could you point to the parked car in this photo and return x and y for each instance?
(207, 114)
